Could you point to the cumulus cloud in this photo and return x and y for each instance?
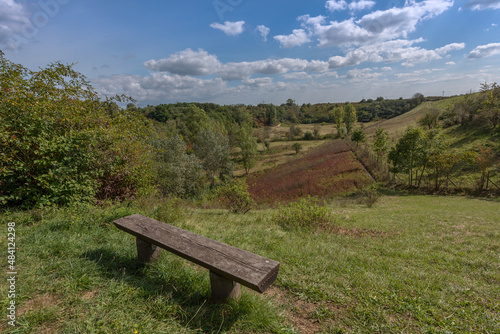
(264, 31)
(483, 51)
(361, 5)
(201, 63)
(243, 70)
(187, 62)
(483, 4)
(380, 25)
(161, 86)
(229, 28)
(393, 51)
(14, 18)
(297, 38)
(334, 5)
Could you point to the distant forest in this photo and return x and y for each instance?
(288, 112)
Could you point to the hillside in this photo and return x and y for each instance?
(331, 169)
(397, 125)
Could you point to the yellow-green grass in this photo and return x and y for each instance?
(279, 153)
(397, 125)
(409, 264)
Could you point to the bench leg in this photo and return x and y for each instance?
(146, 252)
(223, 288)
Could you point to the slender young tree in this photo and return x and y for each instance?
(358, 136)
(338, 117)
(380, 143)
(248, 146)
(350, 117)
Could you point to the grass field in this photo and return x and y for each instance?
(409, 264)
(397, 125)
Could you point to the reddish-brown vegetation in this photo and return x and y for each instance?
(330, 169)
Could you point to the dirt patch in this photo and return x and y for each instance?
(89, 294)
(39, 302)
(303, 315)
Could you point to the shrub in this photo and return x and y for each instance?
(170, 211)
(308, 136)
(368, 196)
(304, 214)
(61, 144)
(235, 197)
(297, 147)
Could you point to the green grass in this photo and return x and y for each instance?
(408, 264)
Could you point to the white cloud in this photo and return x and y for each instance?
(376, 26)
(229, 28)
(258, 82)
(201, 63)
(362, 74)
(159, 87)
(243, 70)
(297, 38)
(264, 31)
(392, 51)
(361, 5)
(450, 63)
(187, 62)
(14, 19)
(483, 51)
(334, 5)
(483, 4)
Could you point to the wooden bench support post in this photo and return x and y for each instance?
(223, 288)
(146, 252)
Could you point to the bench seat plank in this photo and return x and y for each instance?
(251, 270)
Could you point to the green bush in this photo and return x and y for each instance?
(308, 136)
(61, 144)
(368, 196)
(304, 214)
(235, 197)
(170, 211)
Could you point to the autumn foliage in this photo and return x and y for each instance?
(330, 169)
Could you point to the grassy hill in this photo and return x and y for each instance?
(409, 264)
(328, 170)
(397, 125)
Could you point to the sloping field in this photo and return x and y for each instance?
(330, 169)
(397, 125)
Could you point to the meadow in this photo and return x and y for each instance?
(329, 169)
(409, 264)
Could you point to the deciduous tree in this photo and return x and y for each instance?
(248, 146)
(358, 136)
(213, 149)
(380, 143)
(350, 117)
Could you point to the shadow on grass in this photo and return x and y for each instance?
(185, 291)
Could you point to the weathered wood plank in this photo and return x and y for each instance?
(251, 270)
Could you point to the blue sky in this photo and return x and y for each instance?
(249, 51)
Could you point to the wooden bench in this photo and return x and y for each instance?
(229, 266)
